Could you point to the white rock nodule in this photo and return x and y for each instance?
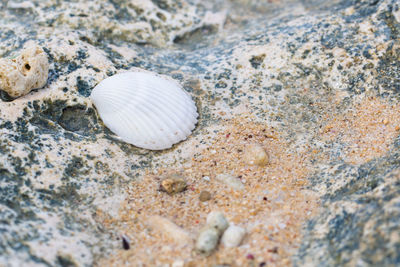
(145, 109)
(207, 240)
(233, 236)
(217, 220)
(29, 70)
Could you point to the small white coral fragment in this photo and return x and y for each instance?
(27, 71)
(233, 236)
(255, 154)
(170, 230)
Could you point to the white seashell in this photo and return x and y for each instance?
(145, 110)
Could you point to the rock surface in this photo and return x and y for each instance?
(323, 75)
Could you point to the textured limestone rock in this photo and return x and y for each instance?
(27, 71)
(292, 65)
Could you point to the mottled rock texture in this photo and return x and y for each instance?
(294, 65)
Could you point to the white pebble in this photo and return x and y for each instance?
(206, 178)
(217, 220)
(231, 181)
(233, 236)
(207, 240)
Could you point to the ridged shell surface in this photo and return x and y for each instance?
(145, 110)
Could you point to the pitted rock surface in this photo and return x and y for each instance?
(324, 74)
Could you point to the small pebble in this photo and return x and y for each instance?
(229, 180)
(173, 184)
(233, 236)
(255, 154)
(207, 240)
(217, 220)
(204, 196)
